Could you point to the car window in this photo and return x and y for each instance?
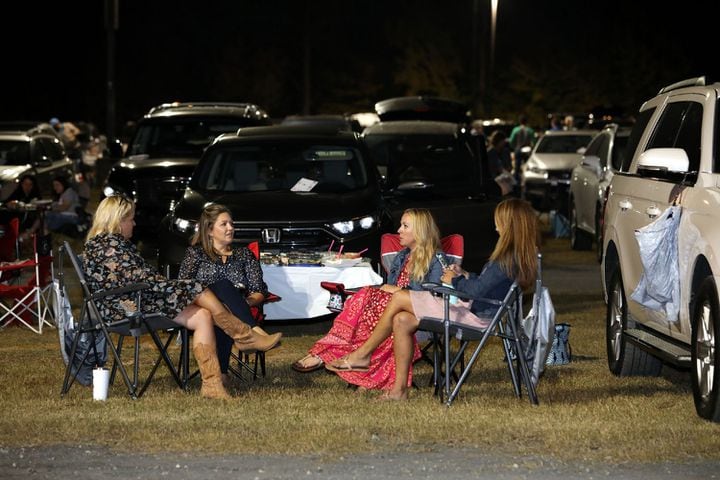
(594, 146)
(187, 136)
(635, 136)
(53, 149)
(680, 127)
(444, 161)
(618, 151)
(562, 143)
(324, 168)
(603, 148)
(14, 153)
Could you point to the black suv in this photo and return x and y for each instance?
(292, 188)
(165, 150)
(437, 165)
(36, 151)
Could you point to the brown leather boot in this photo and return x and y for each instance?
(207, 361)
(245, 338)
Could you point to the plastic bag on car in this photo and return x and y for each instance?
(659, 286)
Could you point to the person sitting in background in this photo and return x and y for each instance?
(25, 193)
(417, 263)
(514, 258)
(63, 210)
(231, 272)
(500, 162)
(111, 261)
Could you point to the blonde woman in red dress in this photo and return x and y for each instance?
(417, 263)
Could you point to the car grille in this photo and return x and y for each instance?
(559, 174)
(310, 237)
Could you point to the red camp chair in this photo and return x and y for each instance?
(29, 299)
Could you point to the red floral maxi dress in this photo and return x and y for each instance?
(353, 326)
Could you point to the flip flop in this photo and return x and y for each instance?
(345, 366)
(299, 366)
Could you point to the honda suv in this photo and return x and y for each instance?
(294, 188)
(166, 148)
(672, 158)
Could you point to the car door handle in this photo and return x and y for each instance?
(653, 211)
(624, 205)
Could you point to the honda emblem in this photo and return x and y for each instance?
(271, 235)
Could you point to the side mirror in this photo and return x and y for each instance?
(664, 159)
(592, 163)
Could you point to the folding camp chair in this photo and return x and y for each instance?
(26, 283)
(241, 361)
(91, 323)
(525, 342)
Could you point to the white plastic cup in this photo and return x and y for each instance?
(453, 298)
(101, 382)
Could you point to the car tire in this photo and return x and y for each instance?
(579, 239)
(705, 327)
(624, 358)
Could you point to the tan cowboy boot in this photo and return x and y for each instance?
(207, 361)
(245, 338)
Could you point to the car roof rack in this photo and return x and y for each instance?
(248, 107)
(690, 82)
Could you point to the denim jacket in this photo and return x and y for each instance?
(491, 283)
(433, 275)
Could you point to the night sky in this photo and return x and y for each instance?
(556, 55)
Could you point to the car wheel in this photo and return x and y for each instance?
(705, 327)
(624, 358)
(579, 239)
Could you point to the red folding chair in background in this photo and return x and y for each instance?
(25, 285)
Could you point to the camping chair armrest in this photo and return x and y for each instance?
(135, 287)
(440, 289)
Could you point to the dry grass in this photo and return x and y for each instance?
(585, 412)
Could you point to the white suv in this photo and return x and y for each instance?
(673, 152)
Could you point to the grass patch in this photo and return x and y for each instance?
(585, 412)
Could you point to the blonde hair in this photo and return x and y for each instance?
(427, 241)
(516, 249)
(208, 217)
(111, 211)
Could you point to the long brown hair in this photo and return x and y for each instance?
(427, 241)
(516, 249)
(208, 217)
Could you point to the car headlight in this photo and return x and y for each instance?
(184, 226)
(348, 226)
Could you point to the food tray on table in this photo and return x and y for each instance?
(349, 259)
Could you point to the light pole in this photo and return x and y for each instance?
(493, 23)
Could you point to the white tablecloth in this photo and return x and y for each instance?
(299, 287)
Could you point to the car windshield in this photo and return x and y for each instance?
(298, 166)
(14, 153)
(180, 136)
(442, 161)
(562, 143)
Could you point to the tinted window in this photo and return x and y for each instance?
(680, 127)
(562, 143)
(180, 137)
(635, 136)
(594, 146)
(603, 149)
(14, 153)
(445, 162)
(324, 168)
(54, 149)
(619, 150)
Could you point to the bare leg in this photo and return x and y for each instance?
(405, 324)
(400, 302)
(200, 322)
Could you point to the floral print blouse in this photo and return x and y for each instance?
(241, 268)
(111, 261)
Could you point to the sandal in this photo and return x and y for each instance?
(345, 366)
(302, 366)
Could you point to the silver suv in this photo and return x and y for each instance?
(672, 154)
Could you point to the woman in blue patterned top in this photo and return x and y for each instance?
(111, 261)
(231, 272)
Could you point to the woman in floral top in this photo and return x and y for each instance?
(111, 261)
(231, 272)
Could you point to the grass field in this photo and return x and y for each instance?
(585, 412)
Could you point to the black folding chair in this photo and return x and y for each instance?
(134, 325)
(506, 324)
